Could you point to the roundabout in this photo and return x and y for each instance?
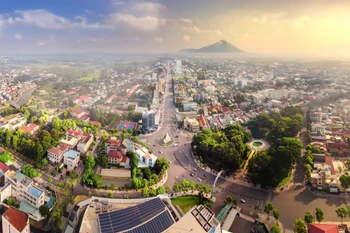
(258, 144)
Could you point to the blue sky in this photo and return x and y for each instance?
(119, 26)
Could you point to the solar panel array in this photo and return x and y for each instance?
(131, 217)
(156, 225)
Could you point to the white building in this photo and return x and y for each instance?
(55, 155)
(85, 142)
(178, 66)
(15, 221)
(146, 158)
(71, 159)
(13, 121)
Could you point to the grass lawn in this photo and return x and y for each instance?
(95, 75)
(185, 202)
(285, 180)
(46, 88)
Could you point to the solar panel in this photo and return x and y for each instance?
(156, 225)
(131, 217)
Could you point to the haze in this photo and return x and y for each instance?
(316, 27)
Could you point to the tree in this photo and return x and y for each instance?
(160, 190)
(161, 165)
(91, 179)
(104, 162)
(29, 171)
(228, 199)
(308, 170)
(206, 188)
(341, 213)
(308, 218)
(110, 195)
(6, 157)
(275, 229)
(185, 185)
(167, 189)
(235, 202)
(112, 186)
(276, 214)
(299, 226)
(268, 207)
(319, 215)
(176, 187)
(90, 162)
(345, 181)
(147, 173)
(145, 192)
(152, 192)
(44, 210)
(49, 180)
(57, 219)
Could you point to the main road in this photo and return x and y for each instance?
(182, 163)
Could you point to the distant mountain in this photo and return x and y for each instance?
(221, 46)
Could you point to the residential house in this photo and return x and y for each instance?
(71, 158)
(55, 155)
(146, 158)
(15, 221)
(338, 148)
(72, 138)
(114, 144)
(30, 128)
(323, 177)
(318, 128)
(13, 121)
(116, 157)
(327, 228)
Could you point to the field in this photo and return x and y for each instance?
(46, 88)
(95, 75)
(186, 202)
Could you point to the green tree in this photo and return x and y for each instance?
(235, 202)
(49, 180)
(44, 210)
(185, 185)
(275, 229)
(6, 157)
(167, 189)
(112, 186)
(341, 213)
(152, 192)
(176, 187)
(160, 190)
(268, 207)
(308, 218)
(29, 171)
(110, 195)
(104, 162)
(276, 214)
(57, 219)
(345, 181)
(299, 226)
(308, 170)
(319, 215)
(90, 162)
(228, 199)
(145, 192)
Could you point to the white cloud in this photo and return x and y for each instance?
(18, 36)
(46, 20)
(40, 43)
(219, 33)
(183, 20)
(78, 41)
(2, 23)
(50, 40)
(148, 8)
(146, 23)
(268, 18)
(158, 39)
(187, 38)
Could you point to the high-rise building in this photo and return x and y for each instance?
(178, 66)
(148, 120)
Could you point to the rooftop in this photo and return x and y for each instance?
(16, 218)
(55, 150)
(35, 191)
(71, 154)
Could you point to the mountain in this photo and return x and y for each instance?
(221, 46)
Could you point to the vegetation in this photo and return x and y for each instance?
(223, 149)
(319, 215)
(11, 201)
(186, 202)
(89, 177)
(29, 171)
(268, 207)
(271, 167)
(341, 213)
(299, 226)
(6, 157)
(277, 125)
(44, 210)
(275, 229)
(308, 218)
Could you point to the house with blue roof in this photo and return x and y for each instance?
(71, 159)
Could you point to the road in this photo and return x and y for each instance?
(182, 164)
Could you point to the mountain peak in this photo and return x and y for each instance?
(222, 46)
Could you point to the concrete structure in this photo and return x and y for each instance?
(148, 120)
(30, 128)
(323, 177)
(15, 221)
(13, 121)
(191, 124)
(117, 174)
(178, 67)
(189, 106)
(71, 159)
(55, 155)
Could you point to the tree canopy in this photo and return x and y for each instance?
(223, 149)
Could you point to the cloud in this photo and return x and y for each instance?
(78, 41)
(158, 39)
(2, 23)
(119, 3)
(268, 18)
(146, 23)
(187, 38)
(13, 20)
(96, 40)
(185, 20)
(18, 36)
(301, 22)
(148, 8)
(40, 43)
(50, 40)
(219, 33)
(46, 20)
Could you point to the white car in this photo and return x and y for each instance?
(199, 179)
(242, 200)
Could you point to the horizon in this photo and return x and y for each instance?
(166, 27)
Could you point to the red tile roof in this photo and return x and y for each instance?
(202, 120)
(330, 163)
(115, 154)
(29, 128)
(3, 167)
(75, 133)
(338, 145)
(124, 159)
(95, 123)
(63, 147)
(16, 218)
(77, 111)
(323, 228)
(70, 92)
(55, 150)
(84, 98)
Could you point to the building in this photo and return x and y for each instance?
(85, 142)
(116, 157)
(55, 155)
(13, 121)
(78, 113)
(178, 67)
(30, 128)
(72, 138)
(96, 123)
(323, 176)
(148, 120)
(146, 158)
(15, 221)
(189, 106)
(318, 128)
(114, 144)
(327, 228)
(191, 124)
(23, 188)
(200, 219)
(71, 158)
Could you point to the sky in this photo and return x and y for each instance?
(319, 27)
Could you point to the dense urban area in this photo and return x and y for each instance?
(174, 144)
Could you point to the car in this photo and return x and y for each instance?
(154, 145)
(169, 162)
(195, 169)
(205, 175)
(192, 174)
(160, 152)
(199, 179)
(242, 200)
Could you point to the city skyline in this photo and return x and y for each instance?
(116, 26)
